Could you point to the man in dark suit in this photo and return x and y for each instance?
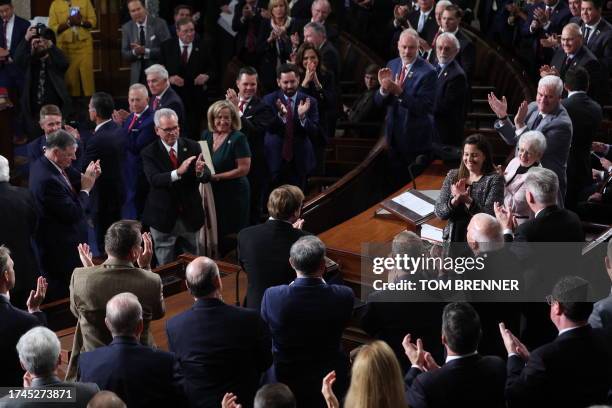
(543, 19)
(423, 20)
(106, 145)
(246, 22)
(288, 142)
(255, 117)
(597, 32)
(555, 374)
(548, 116)
(586, 116)
(316, 34)
(12, 31)
(15, 322)
(263, 250)
(300, 9)
(162, 94)
(450, 23)
(364, 109)
(18, 221)
(61, 195)
(174, 169)
(50, 121)
(141, 40)
(180, 12)
(306, 319)
(467, 379)
(573, 53)
(39, 353)
(138, 131)
(408, 91)
(320, 11)
(188, 62)
(140, 375)
(220, 348)
(601, 317)
(451, 92)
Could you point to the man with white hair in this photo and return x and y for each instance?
(407, 90)
(162, 94)
(18, 220)
(174, 168)
(140, 375)
(548, 116)
(39, 354)
(451, 23)
(320, 11)
(451, 92)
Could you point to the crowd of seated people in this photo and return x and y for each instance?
(192, 167)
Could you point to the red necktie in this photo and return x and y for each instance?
(173, 159)
(185, 55)
(155, 103)
(241, 105)
(402, 75)
(134, 119)
(287, 152)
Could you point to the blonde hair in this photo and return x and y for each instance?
(376, 379)
(274, 3)
(216, 108)
(284, 201)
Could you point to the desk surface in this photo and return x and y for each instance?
(366, 227)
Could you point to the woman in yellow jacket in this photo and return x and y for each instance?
(72, 21)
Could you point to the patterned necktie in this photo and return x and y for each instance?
(134, 119)
(156, 102)
(402, 76)
(287, 152)
(173, 159)
(185, 55)
(241, 105)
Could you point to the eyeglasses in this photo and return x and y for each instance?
(170, 130)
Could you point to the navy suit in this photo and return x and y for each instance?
(449, 107)
(303, 161)
(306, 320)
(10, 74)
(140, 375)
(107, 145)
(171, 100)
(220, 348)
(13, 324)
(62, 223)
(430, 28)
(409, 116)
(140, 135)
(600, 42)
(36, 148)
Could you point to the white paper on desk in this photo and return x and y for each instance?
(414, 203)
(432, 233)
(207, 157)
(225, 20)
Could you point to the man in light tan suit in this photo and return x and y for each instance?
(92, 287)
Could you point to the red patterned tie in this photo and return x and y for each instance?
(287, 152)
(173, 159)
(241, 105)
(185, 55)
(155, 103)
(402, 75)
(134, 119)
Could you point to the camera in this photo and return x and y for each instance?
(41, 30)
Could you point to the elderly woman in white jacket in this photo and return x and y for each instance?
(531, 147)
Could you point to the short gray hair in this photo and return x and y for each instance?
(543, 184)
(139, 87)
(39, 350)
(123, 314)
(164, 113)
(451, 37)
(157, 69)
(552, 81)
(410, 32)
(5, 254)
(60, 139)
(536, 139)
(408, 243)
(443, 3)
(306, 254)
(5, 171)
(317, 27)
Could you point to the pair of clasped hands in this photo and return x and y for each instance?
(200, 165)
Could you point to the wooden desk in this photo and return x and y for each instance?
(344, 241)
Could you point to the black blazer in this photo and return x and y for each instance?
(467, 53)
(586, 116)
(13, 324)
(169, 200)
(256, 118)
(475, 381)
(449, 105)
(171, 100)
(18, 221)
(301, 9)
(331, 59)
(263, 252)
(598, 85)
(572, 371)
(552, 224)
(220, 348)
(140, 375)
(600, 42)
(430, 28)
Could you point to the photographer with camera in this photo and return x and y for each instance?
(44, 66)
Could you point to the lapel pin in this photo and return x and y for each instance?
(446, 73)
(184, 149)
(410, 74)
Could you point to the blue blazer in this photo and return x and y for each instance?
(220, 348)
(62, 223)
(36, 148)
(303, 152)
(141, 376)
(410, 115)
(140, 136)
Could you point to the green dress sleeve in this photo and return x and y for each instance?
(241, 146)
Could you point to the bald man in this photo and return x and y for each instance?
(220, 347)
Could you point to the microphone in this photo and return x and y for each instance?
(421, 160)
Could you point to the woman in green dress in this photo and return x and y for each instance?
(231, 159)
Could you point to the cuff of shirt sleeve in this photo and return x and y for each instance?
(85, 191)
(508, 231)
(175, 176)
(520, 130)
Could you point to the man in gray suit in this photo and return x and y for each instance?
(141, 40)
(39, 354)
(601, 317)
(548, 116)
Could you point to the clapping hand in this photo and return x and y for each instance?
(36, 297)
(551, 41)
(546, 70)
(119, 116)
(200, 165)
(185, 165)
(298, 224)
(229, 401)
(498, 106)
(503, 215)
(85, 255)
(282, 109)
(144, 259)
(303, 108)
(512, 343)
(74, 132)
(605, 163)
(414, 352)
(232, 97)
(138, 49)
(521, 114)
(92, 172)
(328, 392)
(460, 192)
(201, 80)
(430, 363)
